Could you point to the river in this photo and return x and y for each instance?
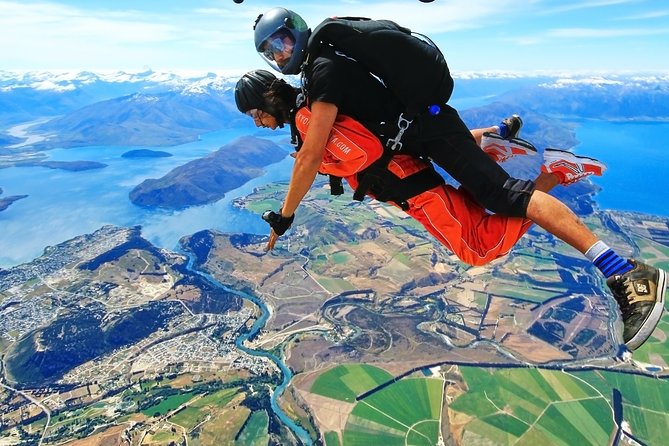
(286, 373)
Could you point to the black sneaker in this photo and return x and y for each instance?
(640, 296)
(513, 124)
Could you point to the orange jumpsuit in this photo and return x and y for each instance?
(449, 214)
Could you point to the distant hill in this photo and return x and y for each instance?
(74, 166)
(608, 98)
(162, 109)
(208, 179)
(5, 202)
(31, 95)
(163, 119)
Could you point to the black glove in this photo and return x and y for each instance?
(279, 223)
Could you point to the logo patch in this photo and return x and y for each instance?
(642, 287)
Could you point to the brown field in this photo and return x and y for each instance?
(109, 437)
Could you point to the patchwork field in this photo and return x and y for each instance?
(532, 406)
(406, 412)
(346, 382)
(255, 432)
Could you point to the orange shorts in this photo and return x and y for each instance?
(453, 217)
(464, 227)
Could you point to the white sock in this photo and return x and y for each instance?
(596, 250)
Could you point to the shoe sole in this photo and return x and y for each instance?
(493, 144)
(557, 154)
(654, 317)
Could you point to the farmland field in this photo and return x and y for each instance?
(406, 412)
(196, 412)
(255, 431)
(345, 382)
(533, 406)
(168, 404)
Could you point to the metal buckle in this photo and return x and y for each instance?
(403, 124)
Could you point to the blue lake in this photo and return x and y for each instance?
(637, 178)
(63, 204)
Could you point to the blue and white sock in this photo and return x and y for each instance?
(503, 130)
(606, 260)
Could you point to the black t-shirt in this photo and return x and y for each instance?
(340, 80)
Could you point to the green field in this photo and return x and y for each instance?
(168, 404)
(341, 257)
(345, 382)
(656, 346)
(255, 432)
(195, 413)
(404, 413)
(335, 285)
(332, 439)
(532, 406)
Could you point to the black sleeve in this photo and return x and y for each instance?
(327, 80)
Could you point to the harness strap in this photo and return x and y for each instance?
(385, 186)
(336, 186)
(371, 175)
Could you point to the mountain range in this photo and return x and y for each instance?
(164, 109)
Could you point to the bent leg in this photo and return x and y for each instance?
(475, 236)
(459, 223)
(449, 143)
(556, 218)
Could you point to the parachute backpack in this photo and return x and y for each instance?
(414, 69)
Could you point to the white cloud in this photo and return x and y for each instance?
(437, 17)
(579, 33)
(584, 5)
(647, 15)
(45, 21)
(48, 32)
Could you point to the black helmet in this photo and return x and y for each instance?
(251, 88)
(274, 30)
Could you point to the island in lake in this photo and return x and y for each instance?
(146, 153)
(7, 201)
(206, 180)
(73, 166)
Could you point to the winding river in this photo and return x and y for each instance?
(286, 373)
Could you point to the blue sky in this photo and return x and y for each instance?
(553, 36)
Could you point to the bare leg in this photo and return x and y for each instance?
(549, 212)
(478, 133)
(546, 181)
(556, 218)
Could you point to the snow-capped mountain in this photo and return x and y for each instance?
(26, 96)
(600, 97)
(85, 108)
(166, 108)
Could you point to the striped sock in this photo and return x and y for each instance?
(607, 261)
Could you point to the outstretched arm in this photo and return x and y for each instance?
(308, 159)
